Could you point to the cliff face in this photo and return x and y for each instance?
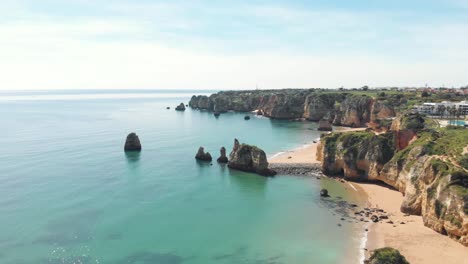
(433, 185)
(341, 108)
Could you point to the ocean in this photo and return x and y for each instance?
(69, 193)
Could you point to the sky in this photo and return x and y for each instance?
(196, 44)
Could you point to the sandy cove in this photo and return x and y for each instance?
(418, 243)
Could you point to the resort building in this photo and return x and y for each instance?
(445, 106)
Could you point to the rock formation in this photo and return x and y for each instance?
(249, 158)
(246, 117)
(180, 107)
(201, 155)
(132, 143)
(415, 160)
(324, 193)
(343, 108)
(386, 256)
(222, 157)
(325, 125)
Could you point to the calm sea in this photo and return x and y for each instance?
(69, 194)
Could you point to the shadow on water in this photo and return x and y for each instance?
(132, 156)
(249, 183)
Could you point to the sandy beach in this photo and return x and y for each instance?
(419, 244)
(305, 154)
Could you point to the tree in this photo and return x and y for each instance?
(425, 94)
(365, 88)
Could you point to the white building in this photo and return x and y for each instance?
(434, 108)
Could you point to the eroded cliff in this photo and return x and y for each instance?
(345, 109)
(425, 166)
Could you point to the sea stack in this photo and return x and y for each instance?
(222, 158)
(201, 155)
(250, 159)
(132, 143)
(325, 125)
(180, 107)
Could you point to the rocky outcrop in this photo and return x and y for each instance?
(420, 168)
(386, 256)
(201, 155)
(250, 159)
(342, 108)
(222, 157)
(132, 143)
(325, 125)
(180, 107)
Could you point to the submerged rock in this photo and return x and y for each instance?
(324, 193)
(246, 117)
(249, 158)
(217, 114)
(222, 158)
(168, 108)
(132, 143)
(201, 155)
(180, 107)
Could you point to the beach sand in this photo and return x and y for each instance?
(305, 154)
(419, 244)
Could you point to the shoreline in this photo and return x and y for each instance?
(418, 243)
(406, 233)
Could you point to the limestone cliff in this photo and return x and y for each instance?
(424, 169)
(345, 109)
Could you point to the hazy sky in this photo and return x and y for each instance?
(60, 44)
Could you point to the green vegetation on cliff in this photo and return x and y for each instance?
(386, 256)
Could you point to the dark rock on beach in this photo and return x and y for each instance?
(180, 107)
(222, 158)
(201, 155)
(132, 143)
(296, 169)
(324, 193)
(249, 158)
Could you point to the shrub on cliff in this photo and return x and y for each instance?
(386, 256)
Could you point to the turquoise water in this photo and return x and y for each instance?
(69, 194)
(457, 122)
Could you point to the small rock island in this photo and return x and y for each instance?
(222, 157)
(201, 155)
(180, 107)
(250, 159)
(132, 143)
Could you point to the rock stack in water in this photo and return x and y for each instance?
(180, 107)
(249, 158)
(222, 158)
(132, 143)
(201, 155)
